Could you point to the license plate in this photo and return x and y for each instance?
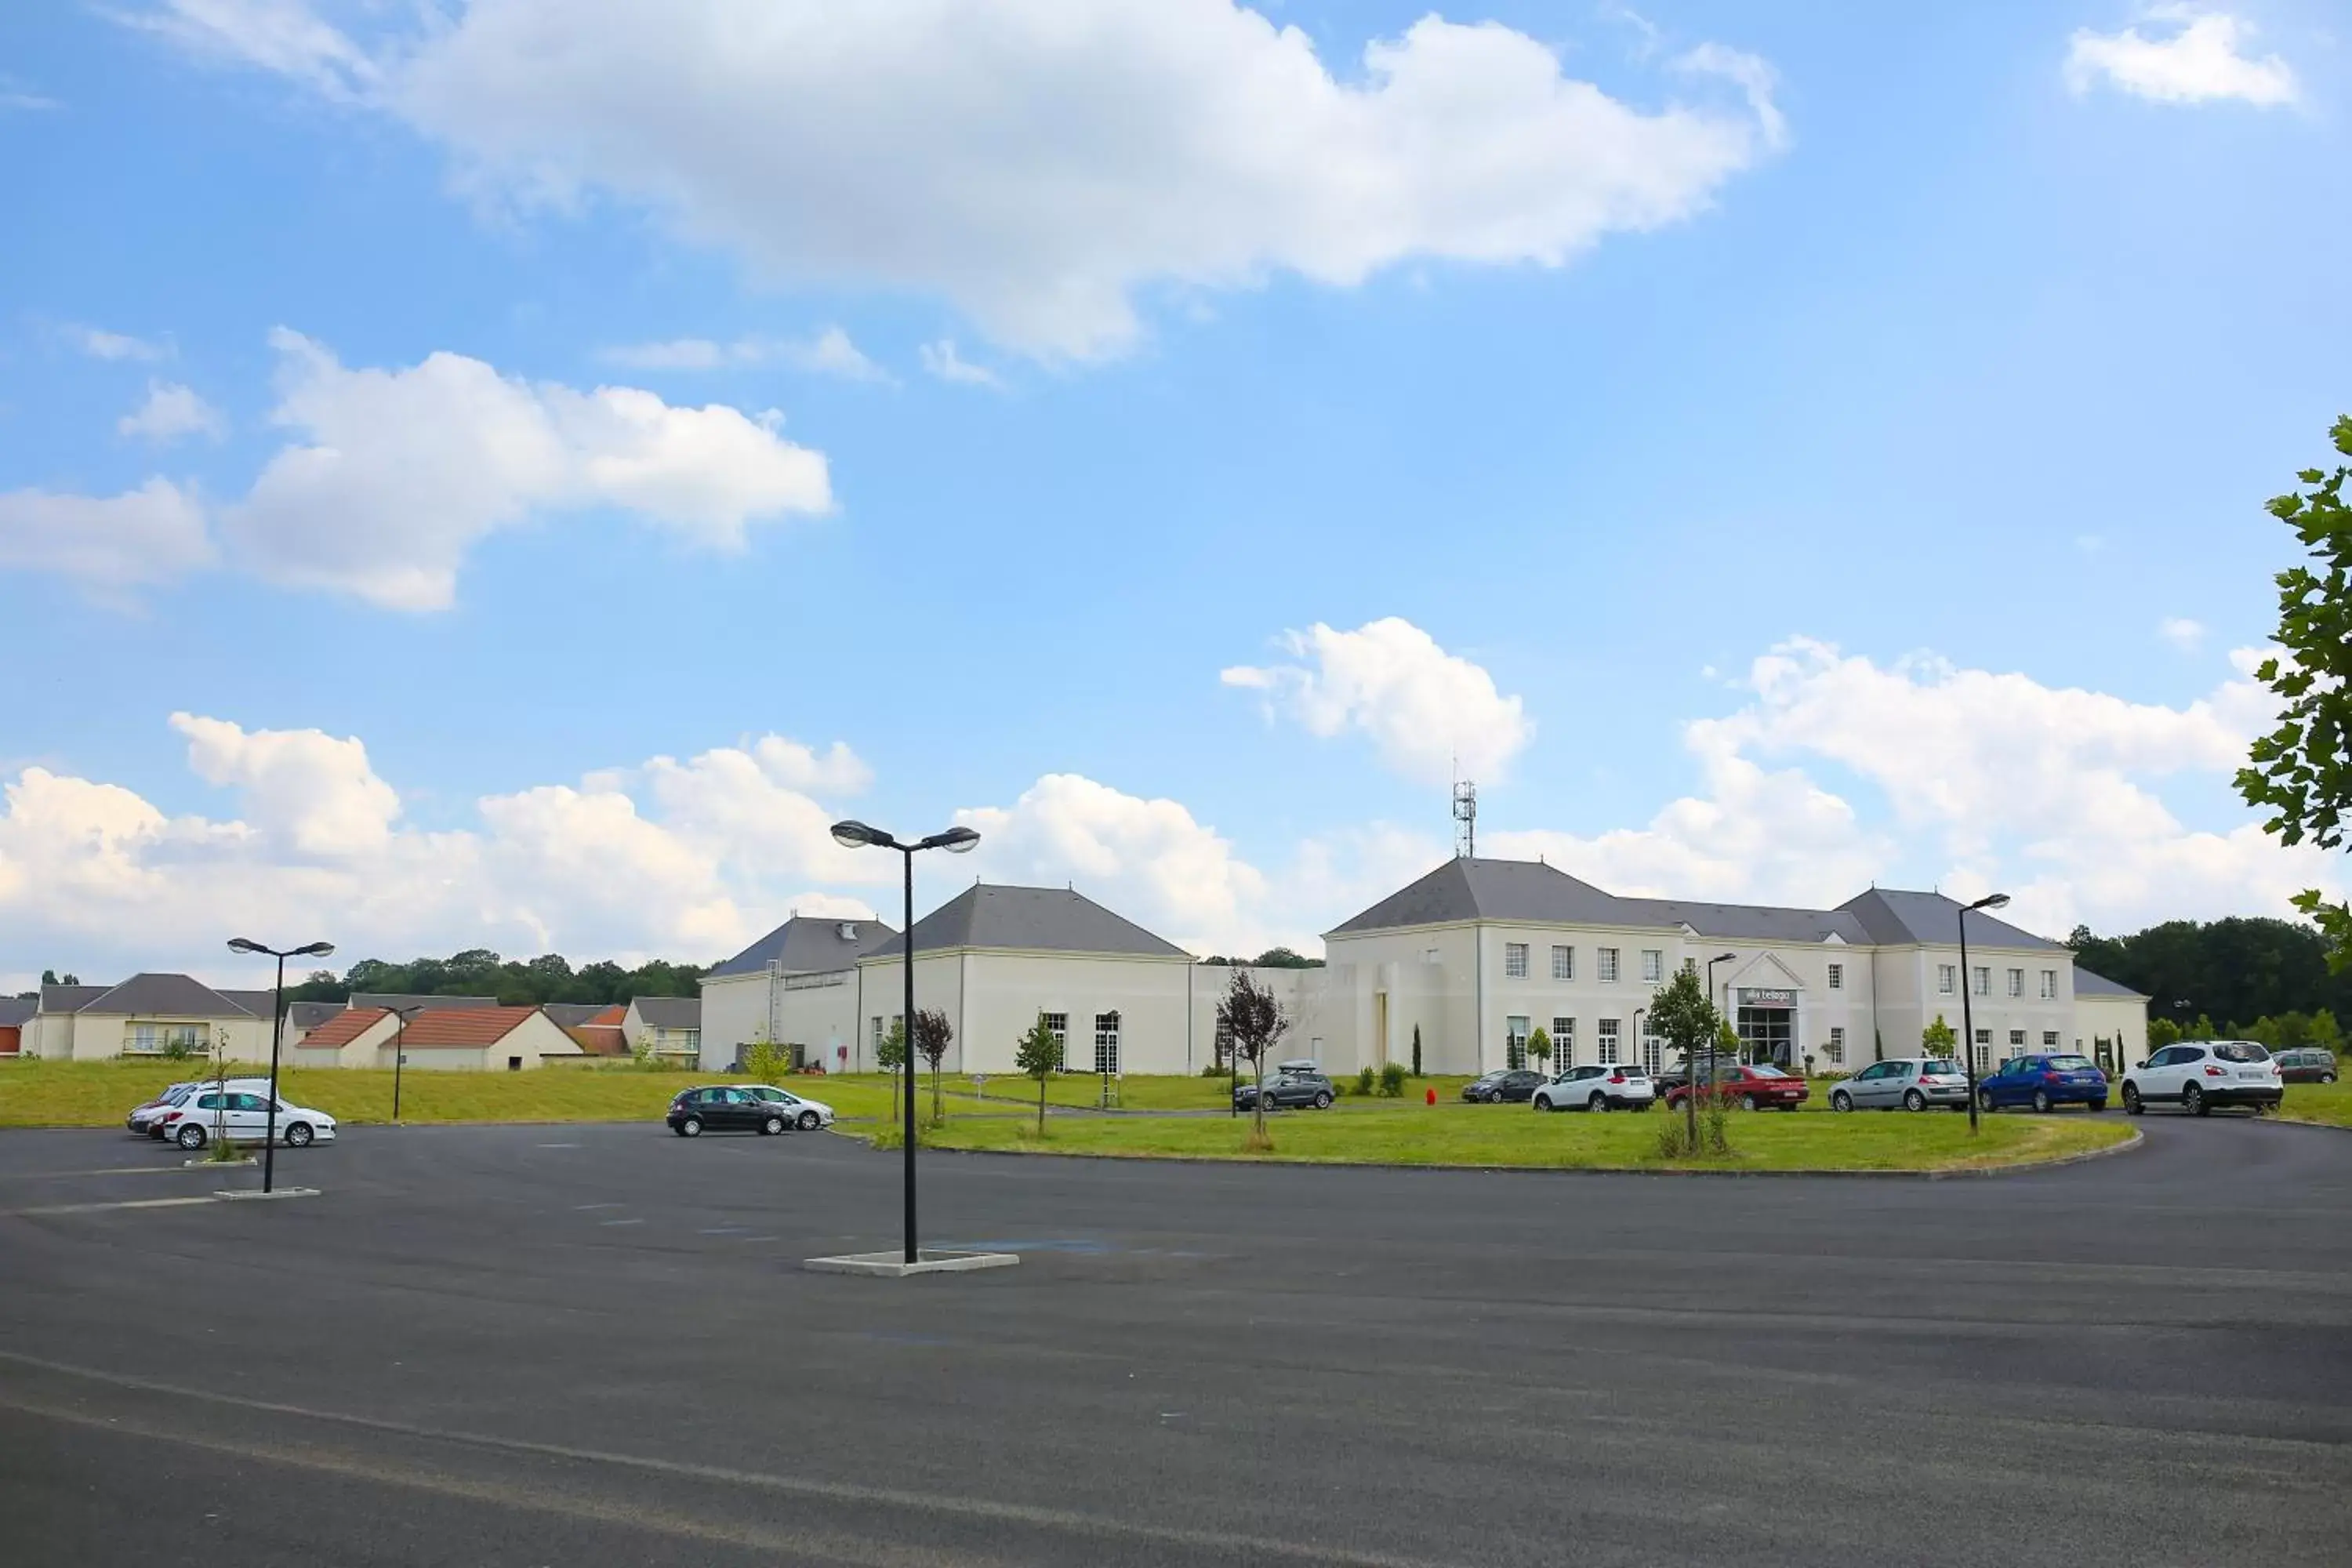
(2252, 1072)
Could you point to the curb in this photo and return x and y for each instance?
(2020, 1169)
(2314, 1126)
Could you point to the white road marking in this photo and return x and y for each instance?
(585, 1208)
(122, 1203)
(625, 1221)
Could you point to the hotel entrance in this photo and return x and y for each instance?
(1767, 1022)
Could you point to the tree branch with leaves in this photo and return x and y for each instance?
(1255, 1019)
(933, 1035)
(1038, 1054)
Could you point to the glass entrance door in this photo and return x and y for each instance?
(1768, 1034)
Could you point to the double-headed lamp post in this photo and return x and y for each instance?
(1967, 989)
(1690, 1068)
(277, 1033)
(854, 835)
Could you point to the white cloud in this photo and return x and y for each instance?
(1038, 162)
(2183, 633)
(830, 353)
(942, 360)
(1430, 713)
(399, 472)
(317, 794)
(108, 543)
(15, 94)
(1147, 859)
(100, 343)
(2192, 56)
(171, 412)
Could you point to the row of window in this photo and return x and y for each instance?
(1058, 1025)
(1653, 965)
(1947, 976)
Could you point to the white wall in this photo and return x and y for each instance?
(992, 998)
(2111, 1018)
(101, 1036)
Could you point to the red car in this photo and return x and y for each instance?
(1751, 1088)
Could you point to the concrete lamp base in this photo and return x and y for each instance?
(894, 1265)
(256, 1194)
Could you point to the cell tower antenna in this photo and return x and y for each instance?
(1465, 819)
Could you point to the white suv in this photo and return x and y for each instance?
(2203, 1074)
(1626, 1087)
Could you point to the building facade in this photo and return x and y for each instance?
(148, 1016)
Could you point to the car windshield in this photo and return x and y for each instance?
(2241, 1051)
(1942, 1067)
(1764, 1069)
(2070, 1063)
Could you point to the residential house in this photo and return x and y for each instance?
(447, 1039)
(668, 1026)
(14, 1012)
(148, 1016)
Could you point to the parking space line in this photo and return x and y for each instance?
(107, 1171)
(625, 1221)
(587, 1209)
(121, 1203)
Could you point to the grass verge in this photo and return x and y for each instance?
(1412, 1134)
(2329, 1104)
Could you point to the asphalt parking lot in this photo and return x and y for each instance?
(594, 1344)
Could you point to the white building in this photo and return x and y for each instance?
(148, 1016)
(1478, 953)
(795, 987)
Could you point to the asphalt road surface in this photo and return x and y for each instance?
(593, 1345)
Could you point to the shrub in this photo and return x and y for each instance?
(1416, 1051)
(1365, 1078)
(1673, 1141)
(1258, 1140)
(1392, 1080)
(1215, 1070)
(766, 1062)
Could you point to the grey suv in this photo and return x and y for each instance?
(1288, 1085)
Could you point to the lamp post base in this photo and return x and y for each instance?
(894, 1265)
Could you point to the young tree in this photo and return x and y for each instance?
(1685, 1018)
(1038, 1054)
(1539, 1048)
(2301, 771)
(891, 1056)
(1255, 1021)
(932, 1037)
(1416, 1051)
(1938, 1039)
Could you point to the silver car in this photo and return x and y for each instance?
(1913, 1083)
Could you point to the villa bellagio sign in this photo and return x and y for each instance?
(1763, 996)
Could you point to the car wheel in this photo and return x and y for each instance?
(2097, 1106)
(298, 1135)
(1322, 1101)
(1985, 1101)
(2131, 1099)
(771, 1127)
(1840, 1101)
(190, 1136)
(810, 1120)
(2192, 1100)
(1598, 1102)
(1747, 1102)
(1913, 1100)
(2041, 1100)
(690, 1128)
(2328, 1078)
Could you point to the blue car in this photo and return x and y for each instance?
(2043, 1081)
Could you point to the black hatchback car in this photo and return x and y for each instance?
(1503, 1086)
(717, 1109)
(1289, 1085)
(2305, 1064)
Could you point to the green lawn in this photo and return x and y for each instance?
(1388, 1133)
(98, 1094)
(2330, 1104)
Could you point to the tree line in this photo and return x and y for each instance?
(2226, 977)
(516, 983)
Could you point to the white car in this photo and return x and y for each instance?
(147, 1110)
(1625, 1087)
(242, 1115)
(149, 1117)
(2202, 1074)
(808, 1115)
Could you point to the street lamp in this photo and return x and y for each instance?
(1690, 1068)
(277, 1032)
(400, 1051)
(854, 835)
(1967, 989)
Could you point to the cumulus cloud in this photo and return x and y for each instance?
(942, 360)
(2183, 633)
(100, 343)
(831, 352)
(398, 472)
(170, 412)
(1037, 163)
(2186, 55)
(108, 544)
(1428, 712)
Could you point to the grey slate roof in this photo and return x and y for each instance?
(171, 996)
(670, 1011)
(572, 1014)
(1752, 923)
(14, 1010)
(1029, 920)
(71, 998)
(1465, 889)
(427, 1003)
(1893, 917)
(805, 945)
(308, 1016)
(261, 1003)
(2089, 985)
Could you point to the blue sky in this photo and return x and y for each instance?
(1560, 368)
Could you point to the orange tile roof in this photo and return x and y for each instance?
(599, 1039)
(343, 1028)
(611, 1016)
(456, 1027)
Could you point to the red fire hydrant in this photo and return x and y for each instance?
(1433, 1096)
